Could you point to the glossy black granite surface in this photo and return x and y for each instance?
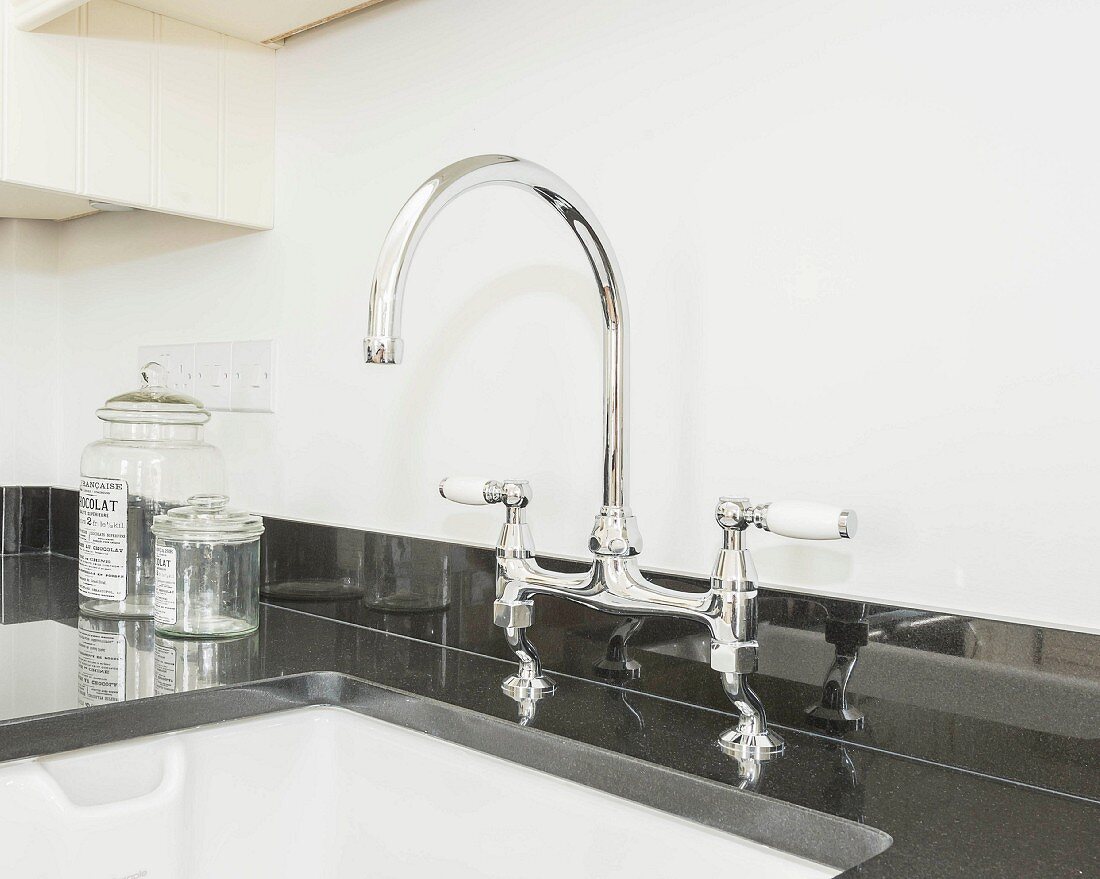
(1010, 700)
(979, 751)
(25, 518)
(943, 822)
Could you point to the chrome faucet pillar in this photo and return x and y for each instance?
(734, 581)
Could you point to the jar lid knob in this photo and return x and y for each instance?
(209, 502)
(154, 375)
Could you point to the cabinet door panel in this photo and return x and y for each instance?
(119, 58)
(188, 140)
(40, 111)
(249, 133)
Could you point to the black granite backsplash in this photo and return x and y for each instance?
(1016, 701)
(37, 586)
(64, 513)
(24, 519)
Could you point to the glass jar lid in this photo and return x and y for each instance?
(154, 402)
(206, 518)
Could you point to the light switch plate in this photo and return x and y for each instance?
(253, 378)
(178, 362)
(213, 374)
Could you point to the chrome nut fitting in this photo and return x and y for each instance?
(736, 658)
(515, 492)
(513, 614)
(734, 512)
(615, 533)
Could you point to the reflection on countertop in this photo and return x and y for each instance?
(52, 659)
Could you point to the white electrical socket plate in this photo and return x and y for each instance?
(253, 378)
(213, 374)
(177, 360)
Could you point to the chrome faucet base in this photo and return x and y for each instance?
(522, 688)
(749, 744)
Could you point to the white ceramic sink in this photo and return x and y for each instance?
(324, 792)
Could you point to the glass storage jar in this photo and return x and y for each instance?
(151, 458)
(208, 569)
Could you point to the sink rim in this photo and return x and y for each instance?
(787, 827)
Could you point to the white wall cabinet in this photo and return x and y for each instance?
(258, 21)
(113, 103)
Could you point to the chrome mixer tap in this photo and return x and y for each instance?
(614, 583)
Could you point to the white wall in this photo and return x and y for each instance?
(29, 356)
(859, 246)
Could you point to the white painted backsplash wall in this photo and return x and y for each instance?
(859, 245)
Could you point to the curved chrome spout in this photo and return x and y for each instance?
(384, 344)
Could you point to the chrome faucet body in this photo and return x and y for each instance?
(728, 610)
(614, 583)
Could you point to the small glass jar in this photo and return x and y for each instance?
(208, 570)
(151, 458)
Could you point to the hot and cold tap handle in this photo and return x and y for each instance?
(476, 491)
(802, 519)
(806, 520)
(470, 490)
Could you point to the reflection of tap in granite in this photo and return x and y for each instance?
(623, 721)
(843, 788)
(617, 665)
(837, 711)
(851, 627)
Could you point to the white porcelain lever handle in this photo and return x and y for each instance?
(471, 490)
(809, 521)
(478, 492)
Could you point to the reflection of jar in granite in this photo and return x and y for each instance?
(184, 664)
(114, 660)
(412, 577)
(152, 458)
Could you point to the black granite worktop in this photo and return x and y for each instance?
(944, 821)
(979, 755)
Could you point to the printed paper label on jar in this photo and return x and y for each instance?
(164, 592)
(101, 667)
(164, 668)
(102, 543)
